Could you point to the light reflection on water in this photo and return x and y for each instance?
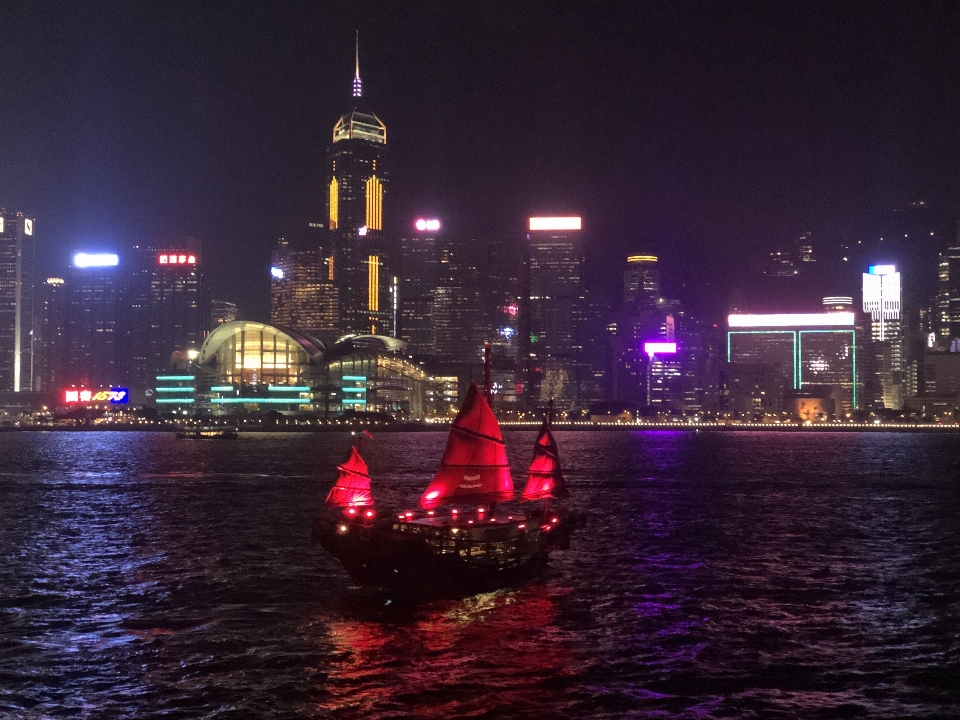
(721, 574)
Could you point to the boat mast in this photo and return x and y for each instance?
(546, 500)
(486, 372)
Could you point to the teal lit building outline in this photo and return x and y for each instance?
(797, 338)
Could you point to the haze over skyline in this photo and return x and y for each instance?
(701, 132)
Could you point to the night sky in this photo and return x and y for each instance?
(700, 131)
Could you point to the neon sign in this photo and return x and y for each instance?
(116, 396)
(881, 269)
(176, 259)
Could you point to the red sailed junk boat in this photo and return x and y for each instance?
(476, 545)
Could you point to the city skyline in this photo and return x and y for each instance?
(689, 132)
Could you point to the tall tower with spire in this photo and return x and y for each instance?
(356, 183)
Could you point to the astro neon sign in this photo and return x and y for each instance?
(116, 396)
(176, 259)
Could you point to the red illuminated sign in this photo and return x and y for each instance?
(115, 396)
(170, 258)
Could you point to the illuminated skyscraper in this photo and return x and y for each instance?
(99, 333)
(16, 301)
(459, 332)
(222, 311)
(549, 312)
(418, 288)
(947, 319)
(641, 281)
(356, 184)
(179, 309)
(882, 299)
(50, 342)
(797, 351)
(301, 295)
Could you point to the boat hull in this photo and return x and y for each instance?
(431, 559)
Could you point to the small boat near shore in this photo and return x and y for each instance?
(464, 538)
(207, 433)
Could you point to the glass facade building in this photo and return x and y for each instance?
(251, 366)
(805, 350)
(16, 301)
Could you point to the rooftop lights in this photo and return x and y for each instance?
(424, 224)
(832, 319)
(555, 223)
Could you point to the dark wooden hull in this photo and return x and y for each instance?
(418, 560)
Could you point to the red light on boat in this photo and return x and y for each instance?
(469, 522)
(409, 515)
(554, 520)
(402, 516)
(369, 513)
(481, 510)
(521, 526)
(454, 511)
(430, 513)
(352, 511)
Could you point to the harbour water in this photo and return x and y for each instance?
(721, 574)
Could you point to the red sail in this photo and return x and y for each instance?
(353, 484)
(545, 478)
(474, 468)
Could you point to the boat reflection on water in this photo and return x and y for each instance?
(401, 666)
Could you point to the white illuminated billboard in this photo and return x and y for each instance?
(84, 260)
(833, 319)
(555, 223)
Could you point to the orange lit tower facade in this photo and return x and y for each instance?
(356, 184)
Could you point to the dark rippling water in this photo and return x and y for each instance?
(736, 574)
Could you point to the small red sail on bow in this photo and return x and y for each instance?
(545, 478)
(474, 468)
(353, 483)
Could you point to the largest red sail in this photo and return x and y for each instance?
(474, 468)
(545, 478)
(353, 483)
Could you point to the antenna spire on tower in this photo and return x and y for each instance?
(356, 78)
